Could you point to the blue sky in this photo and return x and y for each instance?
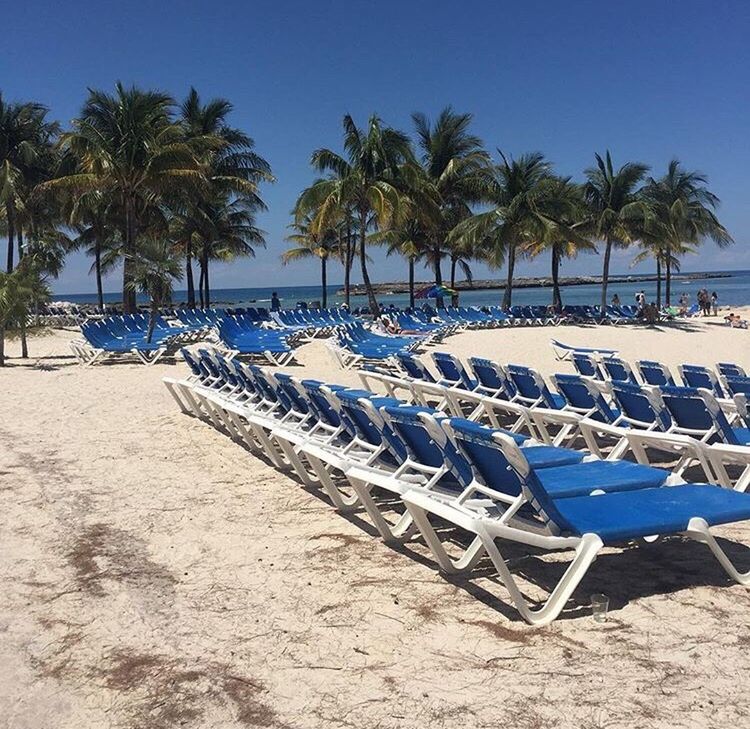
(648, 80)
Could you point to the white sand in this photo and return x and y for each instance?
(154, 574)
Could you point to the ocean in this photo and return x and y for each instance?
(732, 291)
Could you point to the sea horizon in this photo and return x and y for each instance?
(732, 288)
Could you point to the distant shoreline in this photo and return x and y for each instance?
(541, 282)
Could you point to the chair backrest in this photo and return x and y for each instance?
(586, 365)
(487, 461)
(703, 377)
(738, 385)
(655, 373)
(364, 416)
(640, 407)
(320, 404)
(583, 396)
(425, 441)
(492, 377)
(696, 412)
(727, 369)
(531, 387)
(618, 370)
(414, 368)
(452, 370)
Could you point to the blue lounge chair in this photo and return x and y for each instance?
(608, 513)
(565, 351)
(453, 372)
(695, 412)
(699, 376)
(655, 373)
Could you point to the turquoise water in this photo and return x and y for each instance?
(733, 291)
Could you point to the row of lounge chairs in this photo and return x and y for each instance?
(618, 418)
(354, 345)
(127, 335)
(496, 484)
(727, 380)
(252, 333)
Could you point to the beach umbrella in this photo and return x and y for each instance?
(434, 291)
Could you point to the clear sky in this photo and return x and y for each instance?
(648, 80)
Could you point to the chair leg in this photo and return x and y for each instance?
(586, 552)
(468, 560)
(342, 501)
(398, 533)
(699, 531)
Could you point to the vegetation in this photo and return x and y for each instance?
(141, 183)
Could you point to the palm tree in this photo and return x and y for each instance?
(364, 181)
(409, 239)
(448, 180)
(155, 269)
(20, 291)
(128, 147)
(222, 229)
(25, 137)
(616, 209)
(561, 216)
(683, 216)
(310, 242)
(510, 188)
(227, 157)
(95, 220)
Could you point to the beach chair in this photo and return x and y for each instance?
(453, 372)
(696, 412)
(492, 379)
(607, 513)
(565, 351)
(703, 377)
(586, 365)
(618, 370)
(655, 373)
(532, 390)
(726, 369)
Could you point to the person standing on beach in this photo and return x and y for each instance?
(715, 303)
(615, 300)
(640, 300)
(275, 302)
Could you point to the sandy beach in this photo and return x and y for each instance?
(155, 574)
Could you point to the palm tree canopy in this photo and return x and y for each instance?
(613, 199)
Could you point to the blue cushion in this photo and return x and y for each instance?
(552, 457)
(632, 514)
(583, 478)
(742, 435)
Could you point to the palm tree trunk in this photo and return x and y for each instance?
(205, 282)
(556, 294)
(19, 243)
(24, 343)
(668, 277)
(189, 274)
(658, 282)
(508, 293)
(200, 284)
(605, 274)
(348, 261)
(324, 281)
(128, 292)
(98, 272)
(151, 320)
(2, 346)
(372, 301)
(411, 282)
(11, 235)
(454, 261)
(438, 272)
